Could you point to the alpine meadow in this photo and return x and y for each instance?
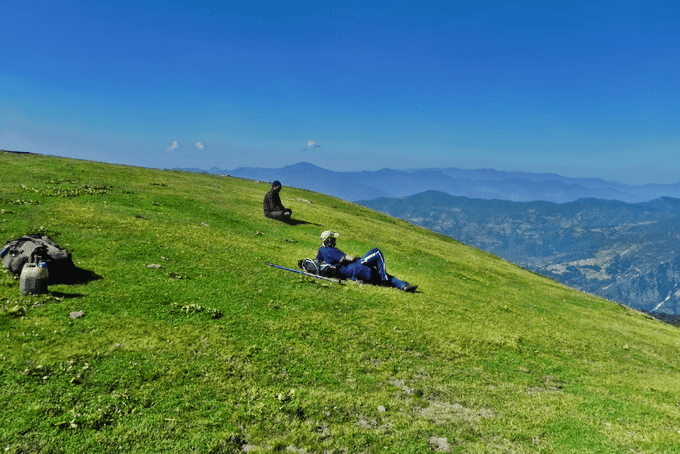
(187, 341)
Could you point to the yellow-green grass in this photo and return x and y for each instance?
(216, 352)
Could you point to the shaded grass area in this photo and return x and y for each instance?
(215, 352)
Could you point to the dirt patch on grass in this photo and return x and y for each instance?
(445, 412)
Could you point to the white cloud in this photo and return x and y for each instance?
(175, 145)
(310, 144)
(200, 146)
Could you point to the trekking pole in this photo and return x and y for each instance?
(337, 281)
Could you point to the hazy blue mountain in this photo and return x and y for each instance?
(345, 185)
(478, 184)
(627, 253)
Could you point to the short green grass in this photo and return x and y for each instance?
(215, 352)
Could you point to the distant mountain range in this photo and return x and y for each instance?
(484, 184)
(627, 253)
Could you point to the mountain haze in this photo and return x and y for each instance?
(481, 184)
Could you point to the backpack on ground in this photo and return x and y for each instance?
(35, 248)
(318, 267)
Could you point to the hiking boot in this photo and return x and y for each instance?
(410, 288)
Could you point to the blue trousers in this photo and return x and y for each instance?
(372, 268)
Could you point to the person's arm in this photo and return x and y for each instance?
(276, 202)
(348, 259)
(332, 256)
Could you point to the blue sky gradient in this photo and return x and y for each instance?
(574, 88)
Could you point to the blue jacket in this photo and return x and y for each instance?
(355, 270)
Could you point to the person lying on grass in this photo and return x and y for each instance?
(369, 268)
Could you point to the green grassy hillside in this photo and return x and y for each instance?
(214, 352)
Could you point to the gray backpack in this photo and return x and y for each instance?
(35, 248)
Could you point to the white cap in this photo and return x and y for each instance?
(327, 233)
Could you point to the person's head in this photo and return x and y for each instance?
(328, 238)
(276, 185)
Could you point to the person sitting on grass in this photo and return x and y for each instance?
(369, 268)
(272, 206)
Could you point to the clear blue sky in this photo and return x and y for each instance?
(577, 88)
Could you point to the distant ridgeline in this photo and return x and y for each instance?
(480, 184)
(627, 253)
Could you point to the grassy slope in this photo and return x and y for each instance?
(487, 357)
